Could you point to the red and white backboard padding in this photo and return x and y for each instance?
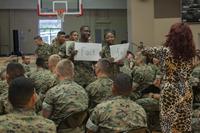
(51, 7)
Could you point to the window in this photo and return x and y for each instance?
(48, 29)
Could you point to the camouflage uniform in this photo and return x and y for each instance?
(5, 106)
(105, 53)
(99, 91)
(66, 49)
(22, 121)
(44, 80)
(196, 83)
(3, 86)
(26, 67)
(195, 125)
(196, 102)
(157, 71)
(143, 76)
(64, 99)
(119, 114)
(128, 66)
(55, 47)
(84, 74)
(43, 51)
(151, 107)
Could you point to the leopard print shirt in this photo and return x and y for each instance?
(176, 93)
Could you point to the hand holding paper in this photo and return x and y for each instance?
(119, 51)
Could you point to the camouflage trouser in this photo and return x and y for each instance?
(135, 95)
(151, 107)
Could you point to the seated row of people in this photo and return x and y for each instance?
(68, 98)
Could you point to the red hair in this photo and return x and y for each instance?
(180, 41)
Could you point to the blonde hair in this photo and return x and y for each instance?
(54, 59)
(65, 68)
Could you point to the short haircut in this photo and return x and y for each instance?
(105, 65)
(110, 31)
(129, 52)
(40, 62)
(65, 68)
(72, 32)
(14, 70)
(24, 56)
(20, 91)
(60, 33)
(84, 26)
(37, 37)
(54, 59)
(122, 84)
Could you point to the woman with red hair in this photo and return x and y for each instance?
(177, 63)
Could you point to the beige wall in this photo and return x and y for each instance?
(144, 27)
(196, 33)
(162, 27)
(141, 21)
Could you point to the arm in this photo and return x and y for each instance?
(156, 52)
(92, 90)
(91, 127)
(51, 49)
(105, 52)
(46, 110)
(47, 105)
(92, 123)
(137, 77)
(62, 51)
(70, 51)
(46, 113)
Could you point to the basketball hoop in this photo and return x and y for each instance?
(60, 14)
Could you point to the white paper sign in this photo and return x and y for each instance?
(88, 51)
(119, 51)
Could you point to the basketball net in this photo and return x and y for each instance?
(60, 14)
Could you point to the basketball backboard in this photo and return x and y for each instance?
(49, 7)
